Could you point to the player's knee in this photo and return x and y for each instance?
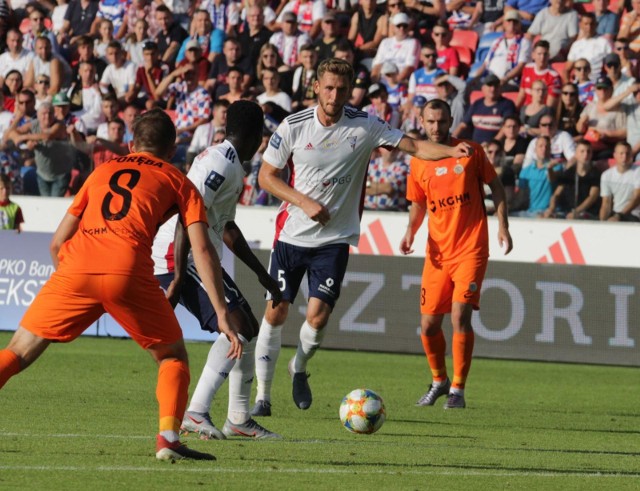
(276, 316)
(430, 326)
(161, 352)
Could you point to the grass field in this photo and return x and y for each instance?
(84, 417)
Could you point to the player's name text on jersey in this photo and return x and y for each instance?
(139, 159)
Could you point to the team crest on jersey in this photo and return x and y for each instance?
(214, 180)
(458, 169)
(352, 142)
(275, 141)
(441, 171)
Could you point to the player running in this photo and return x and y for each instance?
(327, 148)
(450, 191)
(102, 254)
(218, 174)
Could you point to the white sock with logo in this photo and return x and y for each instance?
(267, 352)
(240, 380)
(309, 343)
(215, 372)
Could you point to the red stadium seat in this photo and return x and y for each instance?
(172, 114)
(465, 54)
(510, 95)
(475, 95)
(465, 38)
(559, 67)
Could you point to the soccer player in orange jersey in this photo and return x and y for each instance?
(102, 254)
(450, 191)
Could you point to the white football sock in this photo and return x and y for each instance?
(215, 372)
(240, 380)
(309, 343)
(267, 352)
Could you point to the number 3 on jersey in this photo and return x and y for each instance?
(123, 192)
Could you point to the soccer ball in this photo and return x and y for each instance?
(362, 411)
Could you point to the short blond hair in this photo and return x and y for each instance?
(337, 67)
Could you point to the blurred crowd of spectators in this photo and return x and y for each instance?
(547, 86)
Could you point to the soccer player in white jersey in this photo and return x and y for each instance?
(218, 174)
(328, 147)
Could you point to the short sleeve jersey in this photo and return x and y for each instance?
(121, 206)
(328, 164)
(218, 175)
(452, 190)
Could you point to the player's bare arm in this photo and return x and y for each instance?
(181, 247)
(500, 201)
(235, 241)
(269, 180)
(417, 212)
(64, 232)
(427, 150)
(208, 266)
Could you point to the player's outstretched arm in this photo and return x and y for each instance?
(235, 241)
(427, 150)
(502, 213)
(417, 212)
(210, 271)
(68, 226)
(270, 180)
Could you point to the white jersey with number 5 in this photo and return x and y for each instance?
(328, 164)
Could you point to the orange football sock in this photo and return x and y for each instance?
(435, 347)
(9, 365)
(172, 393)
(462, 352)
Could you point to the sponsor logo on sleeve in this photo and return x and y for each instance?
(214, 180)
(275, 141)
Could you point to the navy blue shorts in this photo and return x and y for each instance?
(195, 299)
(325, 267)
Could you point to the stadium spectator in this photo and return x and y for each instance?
(210, 39)
(78, 20)
(309, 14)
(422, 80)
(632, 110)
(535, 182)
(73, 125)
(205, 135)
(11, 217)
(539, 69)
(85, 53)
(368, 27)
(589, 46)
(15, 57)
(514, 145)
(601, 127)
(569, 110)
(110, 109)
(135, 41)
(289, 40)
(183, 11)
(104, 38)
(628, 60)
(170, 35)
(563, 147)
(412, 123)
(386, 186)
(380, 107)
(86, 99)
(224, 15)
(396, 90)
(613, 70)
(531, 113)
(495, 153)
(119, 75)
(57, 16)
(255, 35)
(13, 85)
(577, 195)
(112, 146)
(344, 51)
(193, 56)
(326, 43)
(111, 10)
(269, 58)
(138, 10)
(48, 63)
(148, 77)
(272, 92)
(304, 77)
(606, 20)
(448, 59)
(488, 16)
(234, 86)
(426, 13)
(41, 91)
(586, 86)
(630, 26)
(508, 54)
(232, 57)
(129, 115)
(558, 25)
(526, 9)
(38, 30)
(620, 188)
(485, 116)
(401, 49)
(459, 13)
(451, 89)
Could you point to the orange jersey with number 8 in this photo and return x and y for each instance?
(121, 206)
(452, 191)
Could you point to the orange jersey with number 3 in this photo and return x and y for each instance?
(452, 190)
(121, 206)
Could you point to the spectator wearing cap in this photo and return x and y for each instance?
(170, 35)
(120, 74)
(620, 81)
(451, 89)
(368, 27)
(148, 77)
(396, 90)
(448, 59)
(326, 44)
(400, 49)
(508, 54)
(255, 35)
(485, 116)
(412, 122)
(558, 25)
(362, 78)
(589, 46)
(210, 39)
(620, 188)
(62, 112)
(526, 9)
(607, 20)
(289, 40)
(379, 106)
(582, 77)
(232, 56)
(77, 20)
(86, 99)
(630, 26)
(539, 69)
(309, 14)
(601, 127)
(422, 80)
(84, 50)
(563, 146)
(15, 57)
(193, 56)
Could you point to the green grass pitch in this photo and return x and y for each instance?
(85, 416)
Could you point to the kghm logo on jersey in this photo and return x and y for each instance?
(275, 141)
(450, 202)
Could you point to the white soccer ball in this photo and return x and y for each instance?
(362, 411)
